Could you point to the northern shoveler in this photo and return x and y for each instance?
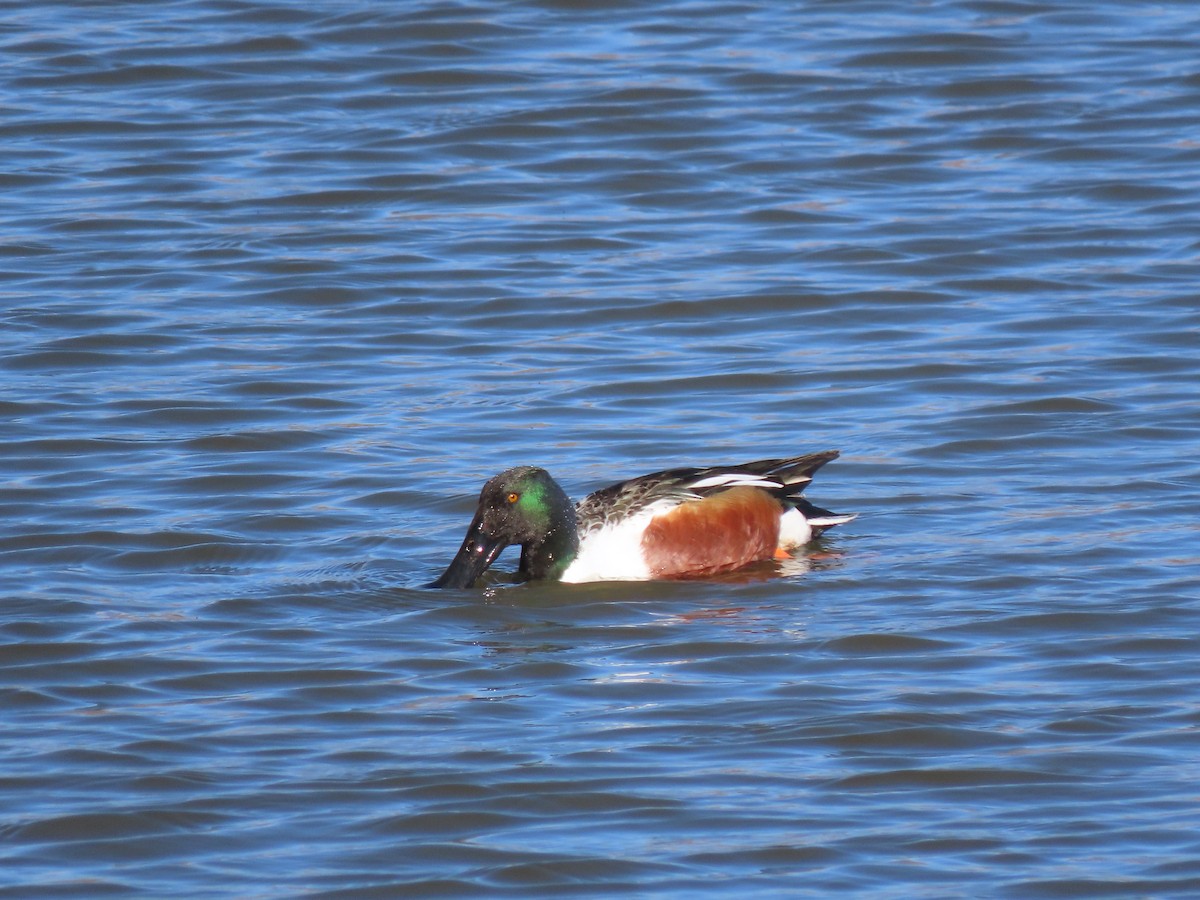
(679, 523)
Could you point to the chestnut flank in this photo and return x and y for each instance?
(717, 534)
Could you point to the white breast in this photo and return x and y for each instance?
(612, 553)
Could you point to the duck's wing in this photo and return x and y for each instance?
(659, 492)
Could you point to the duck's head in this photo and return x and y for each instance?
(522, 506)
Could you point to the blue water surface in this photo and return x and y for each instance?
(283, 284)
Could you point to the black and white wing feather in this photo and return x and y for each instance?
(786, 478)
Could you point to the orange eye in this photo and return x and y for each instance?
(514, 497)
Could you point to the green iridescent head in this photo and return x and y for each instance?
(523, 506)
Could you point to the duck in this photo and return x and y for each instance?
(676, 524)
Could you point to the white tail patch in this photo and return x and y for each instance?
(830, 521)
(796, 531)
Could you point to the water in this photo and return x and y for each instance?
(284, 284)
